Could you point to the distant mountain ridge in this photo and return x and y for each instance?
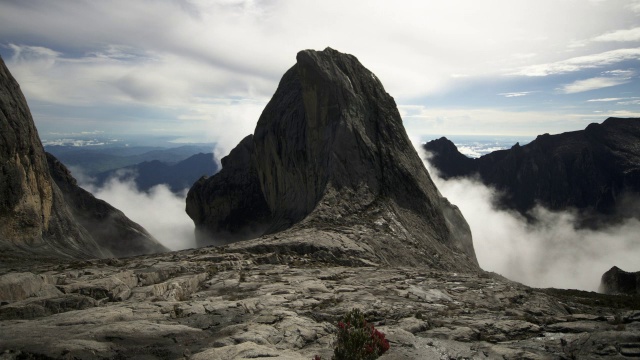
(593, 170)
(178, 176)
(94, 160)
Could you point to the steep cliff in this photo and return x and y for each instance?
(34, 217)
(332, 162)
(43, 213)
(229, 205)
(594, 170)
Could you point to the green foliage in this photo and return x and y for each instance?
(357, 339)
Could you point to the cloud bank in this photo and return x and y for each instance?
(551, 253)
(159, 211)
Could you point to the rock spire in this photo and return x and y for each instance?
(330, 168)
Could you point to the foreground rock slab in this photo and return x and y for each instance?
(220, 303)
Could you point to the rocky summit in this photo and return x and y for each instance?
(595, 170)
(330, 170)
(43, 213)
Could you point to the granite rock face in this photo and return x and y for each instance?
(108, 226)
(222, 303)
(34, 218)
(332, 162)
(230, 204)
(618, 281)
(595, 170)
(43, 212)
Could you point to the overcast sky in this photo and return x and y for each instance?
(203, 70)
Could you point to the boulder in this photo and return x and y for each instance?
(19, 286)
(618, 281)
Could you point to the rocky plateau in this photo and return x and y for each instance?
(229, 303)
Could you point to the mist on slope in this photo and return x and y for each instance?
(159, 210)
(551, 252)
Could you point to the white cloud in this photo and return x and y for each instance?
(159, 211)
(228, 120)
(620, 35)
(515, 94)
(580, 63)
(592, 84)
(25, 52)
(551, 253)
(411, 47)
(629, 102)
(604, 99)
(422, 121)
(620, 100)
(116, 76)
(634, 6)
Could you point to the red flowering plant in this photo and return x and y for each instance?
(357, 339)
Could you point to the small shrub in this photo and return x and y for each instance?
(357, 339)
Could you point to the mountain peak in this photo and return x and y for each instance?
(330, 153)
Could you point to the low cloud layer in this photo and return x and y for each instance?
(159, 211)
(551, 253)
